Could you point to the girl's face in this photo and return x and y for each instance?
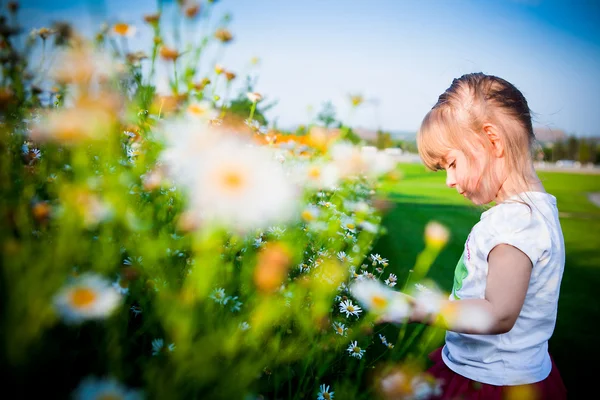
(470, 179)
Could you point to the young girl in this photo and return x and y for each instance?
(480, 132)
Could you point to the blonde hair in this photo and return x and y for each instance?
(456, 122)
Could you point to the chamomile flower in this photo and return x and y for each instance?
(339, 328)
(343, 257)
(391, 280)
(383, 339)
(158, 345)
(381, 299)
(241, 187)
(355, 351)
(92, 388)
(218, 295)
(324, 393)
(244, 326)
(88, 296)
(121, 286)
(349, 308)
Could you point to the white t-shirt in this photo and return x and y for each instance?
(519, 356)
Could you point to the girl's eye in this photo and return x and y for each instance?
(452, 165)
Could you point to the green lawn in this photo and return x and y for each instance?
(421, 196)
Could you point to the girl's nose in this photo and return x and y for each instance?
(450, 181)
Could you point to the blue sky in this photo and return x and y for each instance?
(399, 54)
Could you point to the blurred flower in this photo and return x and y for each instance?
(92, 388)
(316, 175)
(347, 307)
(169, 53)
(254, 97)
(356, 100)
(223, 35)
(219, 69)
(202, 84)
(81, 64)
(124, 30)
(13, 6)
(71, 125)
(44, 33)
(436, 235)
(158, 346)
(152, 19)
(271, 267)
(41, 211)
(229, 75)
(218, 295)
(324, 393)
(355, 351)
(404, 383)
(191, 8)
(381, 299)
(240, 187)
(121, 286)
(89, 296)
(136, 57)
(202, 110)
(310, 213)
(244, 326)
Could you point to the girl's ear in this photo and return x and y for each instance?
(491, 132)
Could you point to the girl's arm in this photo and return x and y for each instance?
(509, 271)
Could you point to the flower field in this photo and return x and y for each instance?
(165, 242)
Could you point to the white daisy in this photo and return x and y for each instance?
(93, 388)
(324, 393)
(158, 344)
(349, 308)
(391, 280)
(244, 326)
(120, 286)
(343, 257)
(240, 187)
(218, 295)
(88, 296)
(354, 350)
(381, 299)
(339, 328)
(383, 339)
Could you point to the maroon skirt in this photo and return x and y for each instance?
(455, 386)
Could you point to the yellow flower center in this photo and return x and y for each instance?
(196, 110)
(356, 349)
(82, 297)
(232, 181)
(350, 308)
(314, 173)
(121, 29)
(340, 330)
(350, 225)
(326, 396)
(307, 216)
(378, 301)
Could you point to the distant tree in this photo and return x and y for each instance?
(327, 114)
(584, 154)
(572, 147)
(559, 151)
(547, 153)
(383, 140)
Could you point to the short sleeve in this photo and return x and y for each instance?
(517, 225)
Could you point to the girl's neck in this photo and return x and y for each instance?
(515, 184)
